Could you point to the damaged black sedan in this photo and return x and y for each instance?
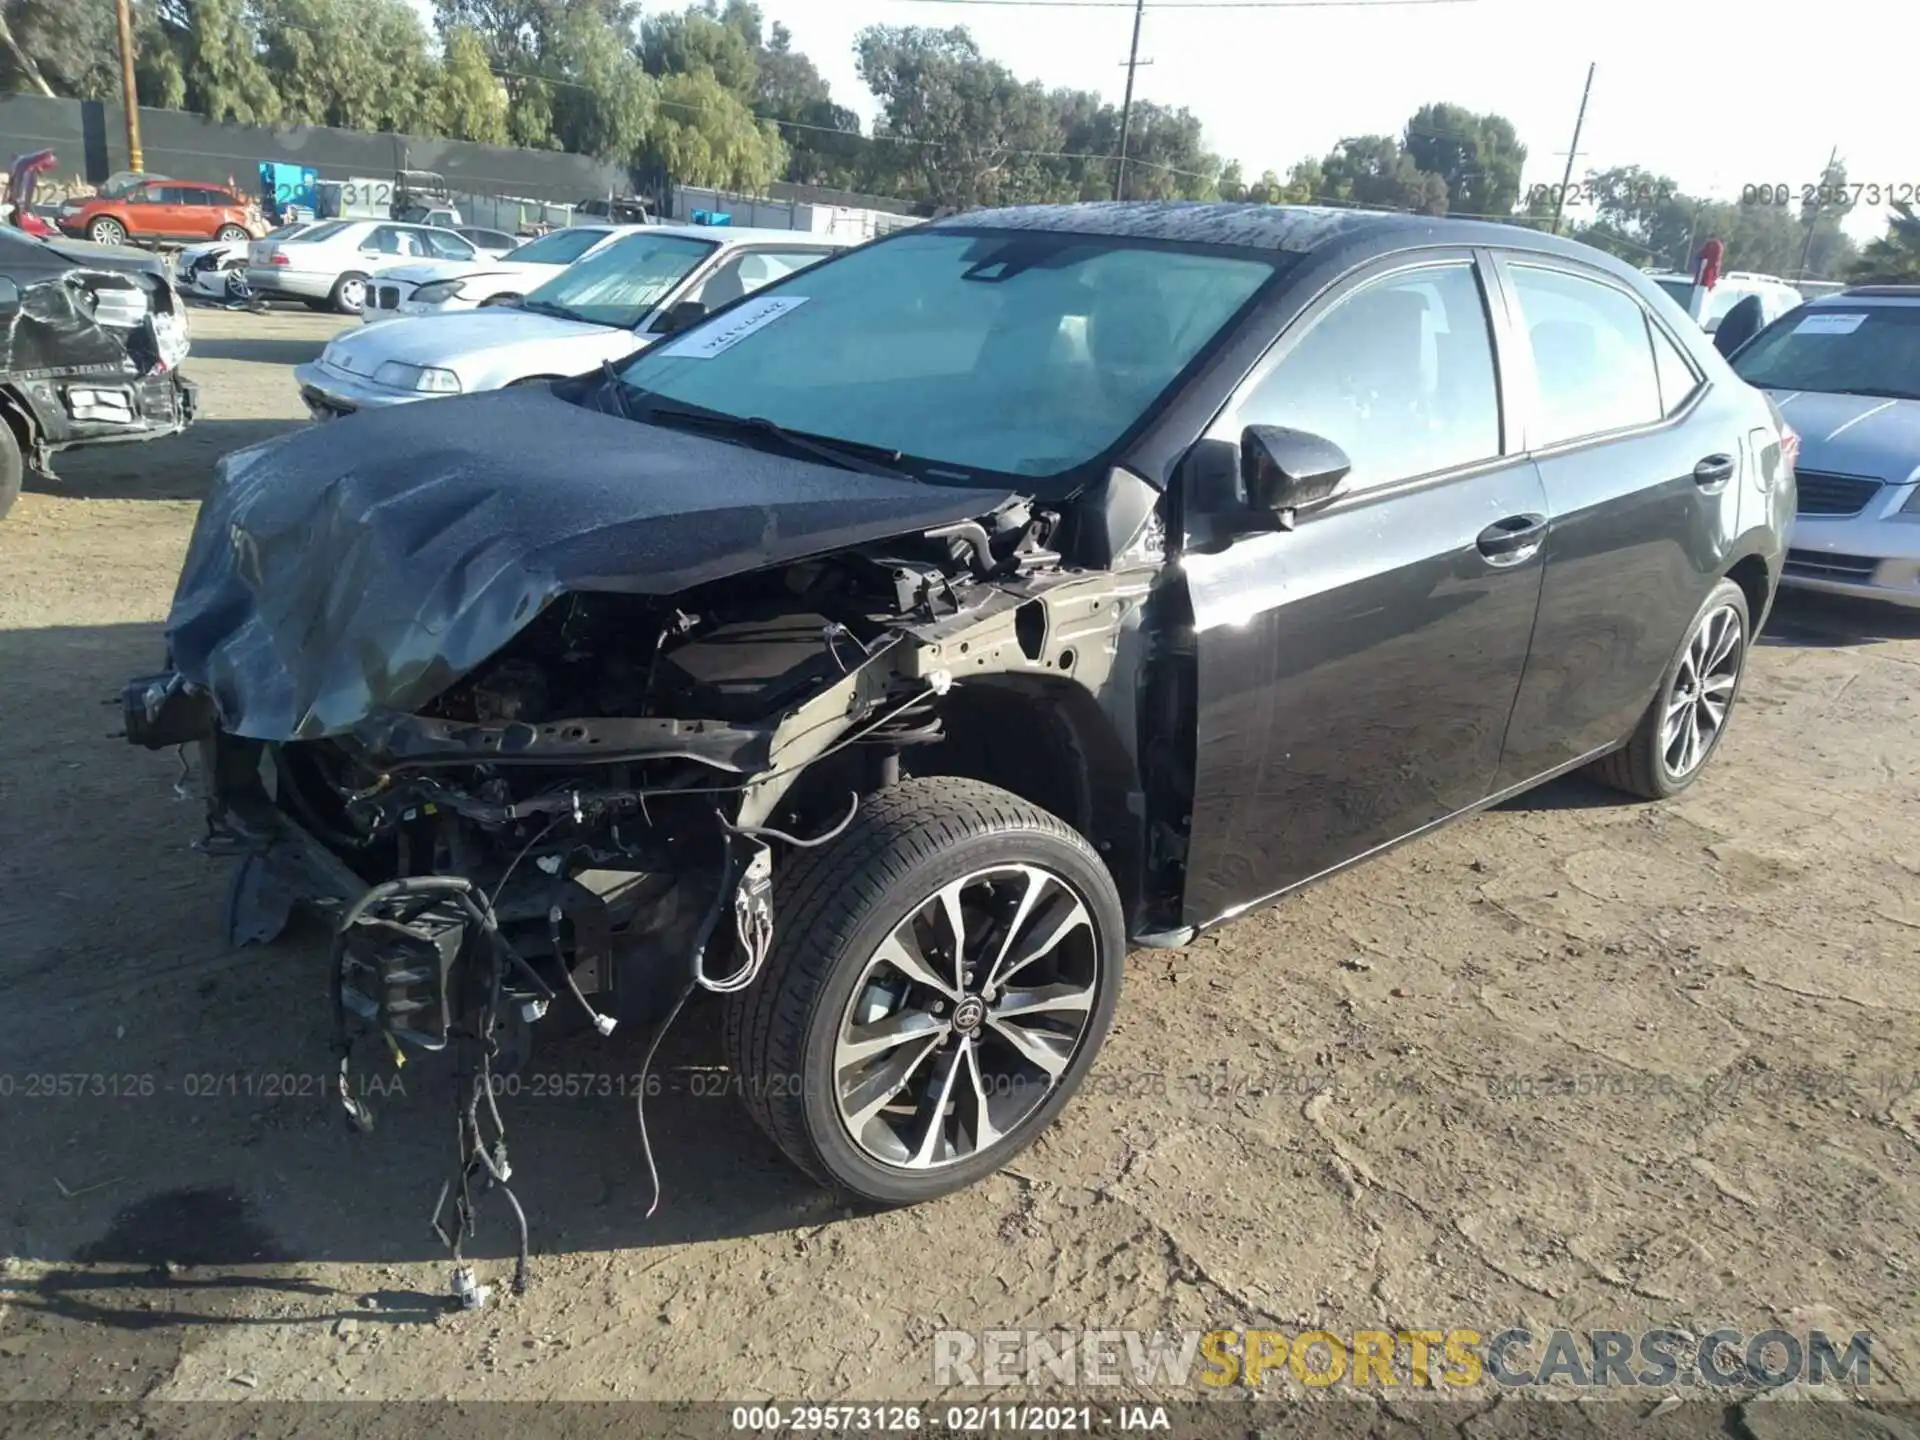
(90, 348)
(892, 650)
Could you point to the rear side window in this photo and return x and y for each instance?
(1677, 378)
(1399, 375)
(1594, 365)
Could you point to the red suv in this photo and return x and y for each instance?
(164, 210)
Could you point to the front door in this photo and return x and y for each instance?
(1355, 675)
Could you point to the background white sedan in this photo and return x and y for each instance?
(436, 287)
(329, 265)
(650, 281)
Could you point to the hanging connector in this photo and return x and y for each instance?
(467, 1289)
(604, 1024)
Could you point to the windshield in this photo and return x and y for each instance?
(621, 284)
(1872, 350)
(326, 230)
(562, 247)
(1023, 353)
(287, 232)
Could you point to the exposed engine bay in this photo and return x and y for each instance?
(591, 819)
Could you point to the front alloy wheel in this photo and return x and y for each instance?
(966, 1016)
(107, 231)
(1688, 717)
(941, 978)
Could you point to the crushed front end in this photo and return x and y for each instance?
(590, 818)
(91, 352)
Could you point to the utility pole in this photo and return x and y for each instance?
(1813, 218)
(129, 91)
(1126, 105)
(1567, 179)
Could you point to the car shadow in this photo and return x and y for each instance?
(262, 350)
(1570, 792)
(1808, 620)
(174, 467)
(185, 1122)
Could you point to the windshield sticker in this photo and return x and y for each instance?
(1829, 325)
(709, 340)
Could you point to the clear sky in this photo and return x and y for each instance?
(1716, 95)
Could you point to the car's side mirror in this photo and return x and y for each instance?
(1283, 472)
(687, 312)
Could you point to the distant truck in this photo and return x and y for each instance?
(844, 222)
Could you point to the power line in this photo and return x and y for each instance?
(1195, 4)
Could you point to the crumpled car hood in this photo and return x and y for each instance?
(364, 565)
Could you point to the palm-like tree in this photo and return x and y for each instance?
(1894, 259)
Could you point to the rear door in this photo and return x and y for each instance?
(1641, 463)
(1355, 675)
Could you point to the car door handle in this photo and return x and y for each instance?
(1712, 471)
(1512, 538)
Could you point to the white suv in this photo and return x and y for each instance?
(1777, 297)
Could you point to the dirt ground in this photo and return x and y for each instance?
(1572, 1063)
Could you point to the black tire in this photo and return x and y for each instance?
(231, 233)
(12, 468)
(834, 906)
(105, 230)
(344, 289)
(1641, 767)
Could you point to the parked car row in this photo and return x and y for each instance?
(631, 286)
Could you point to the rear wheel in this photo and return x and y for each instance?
(12, 468)
(349, 295)
(941, 979)
(1689, 714)
(105, 230)
(231, 233)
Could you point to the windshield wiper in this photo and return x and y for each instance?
(845, 454)
(1874, 393)
(618, 387)
(559, 312)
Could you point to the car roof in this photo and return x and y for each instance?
(1298, 229)
(1869, 295)
(741, 234)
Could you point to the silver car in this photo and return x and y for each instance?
(618, 300)
(1845, 371)
(328, 265)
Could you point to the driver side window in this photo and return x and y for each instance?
(1399, 374)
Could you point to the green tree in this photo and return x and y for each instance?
(824, 144)
(1893, 259)
(704, 134)
(963, 131)
(1480, 157)
(1829, 250)
(603, 101)
(1374, 171)
(530, 114)
(1306, 184)
(58, 47)
(526, 47)
(216, 52)
(357, 64)
(697, 39)
(473, 102)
